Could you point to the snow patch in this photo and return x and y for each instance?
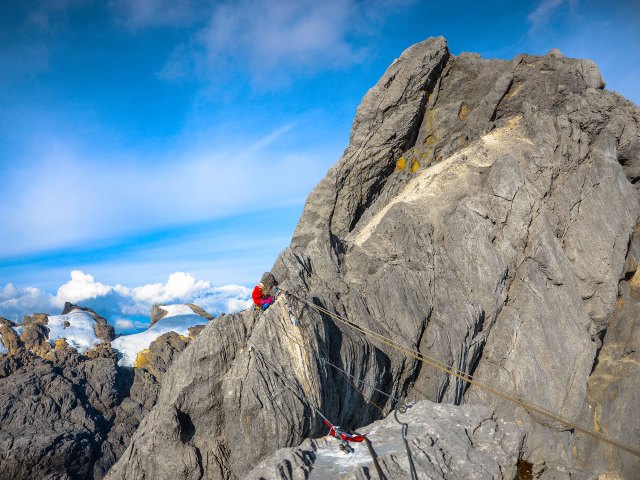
(179, 319)
(79, 334)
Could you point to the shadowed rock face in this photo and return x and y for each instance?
(483, 214)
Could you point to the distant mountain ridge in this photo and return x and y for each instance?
(67, 408)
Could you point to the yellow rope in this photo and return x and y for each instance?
(468, 378)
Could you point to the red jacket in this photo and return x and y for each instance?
(259, 298)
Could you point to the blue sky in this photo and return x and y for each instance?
(139, 138)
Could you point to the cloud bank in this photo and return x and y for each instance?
(125, 308)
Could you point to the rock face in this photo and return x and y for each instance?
(483, 214)
(445, 442)
(68, 415)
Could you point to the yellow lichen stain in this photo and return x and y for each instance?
(613, 393)
(415, 165)
(635, 280)
(574, 451)
(184, 337)
(463, 113)
(61, 344)
(596, 420)
(430, 140)
(143, 359)
(401, 164)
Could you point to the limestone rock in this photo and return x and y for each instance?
(63, 414)
(161, 353)
(482, 214)
(157, 314)
(445, 442)
(200, 311)
(10, 339)
(70, 415)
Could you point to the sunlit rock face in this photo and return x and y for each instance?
(483, 214)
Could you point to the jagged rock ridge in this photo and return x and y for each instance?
(483, 213)
(67, 414)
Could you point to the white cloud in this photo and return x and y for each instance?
(180, 286)
(81, 287)
(272, 40)
(17, 302)
(541, 15)
(266, 35)
(128, 325)
(126, 308)
(69, 197)
(124, 323)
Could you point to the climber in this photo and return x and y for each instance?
(263, 293)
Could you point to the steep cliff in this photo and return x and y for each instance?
(483, 214)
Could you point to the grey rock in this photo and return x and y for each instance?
(613, 391)
(63, 415)
(161, 353)
(555, 53)
(10, 339)
(67, 415)
(444, 441)
(482, 214)
(157, 314)
(102, 329)
(200, 311)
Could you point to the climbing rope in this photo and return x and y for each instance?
(405, 428)
(325, 361)
(399, 404)
(334, 430)
(530, 407)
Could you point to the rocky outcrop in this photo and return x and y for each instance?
(160, 354)
(157, 314)
(101, 327)
(56, 413)
(481, 214)
(444, 442)
(64, 414)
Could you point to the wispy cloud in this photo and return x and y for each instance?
(544, 12)
(68, 198)
(124, 307)
(266, 35)
(273, 40)
(51, 16)
(138, 14)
